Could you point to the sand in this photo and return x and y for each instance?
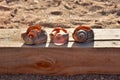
(63, 13)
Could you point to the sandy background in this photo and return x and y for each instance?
(64, 13)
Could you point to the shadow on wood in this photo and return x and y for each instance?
(51, 44)
(39, 45)
(84, 45)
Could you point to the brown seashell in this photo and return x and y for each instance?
(59, 36)
(83, 34)
(34, 35)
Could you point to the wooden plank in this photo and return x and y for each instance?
(103, 38)
(95, 44)
(99, 57)
(100, 34)
(60, 61)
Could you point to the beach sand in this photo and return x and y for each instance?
(63, 13)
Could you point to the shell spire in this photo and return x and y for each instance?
(83, 34)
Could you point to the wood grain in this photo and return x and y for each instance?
(99, 57)
(60, 61)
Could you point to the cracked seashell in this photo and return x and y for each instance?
(59, 36)
(34, 35)
(83, 34)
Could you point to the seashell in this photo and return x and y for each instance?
(34, 35)
(83, 34)
(59, 36)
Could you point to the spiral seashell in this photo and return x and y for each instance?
(34, 35)
(83, 34)
(59, 36)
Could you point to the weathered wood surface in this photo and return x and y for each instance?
(100, 57)
(103, 38)
(60, 61)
